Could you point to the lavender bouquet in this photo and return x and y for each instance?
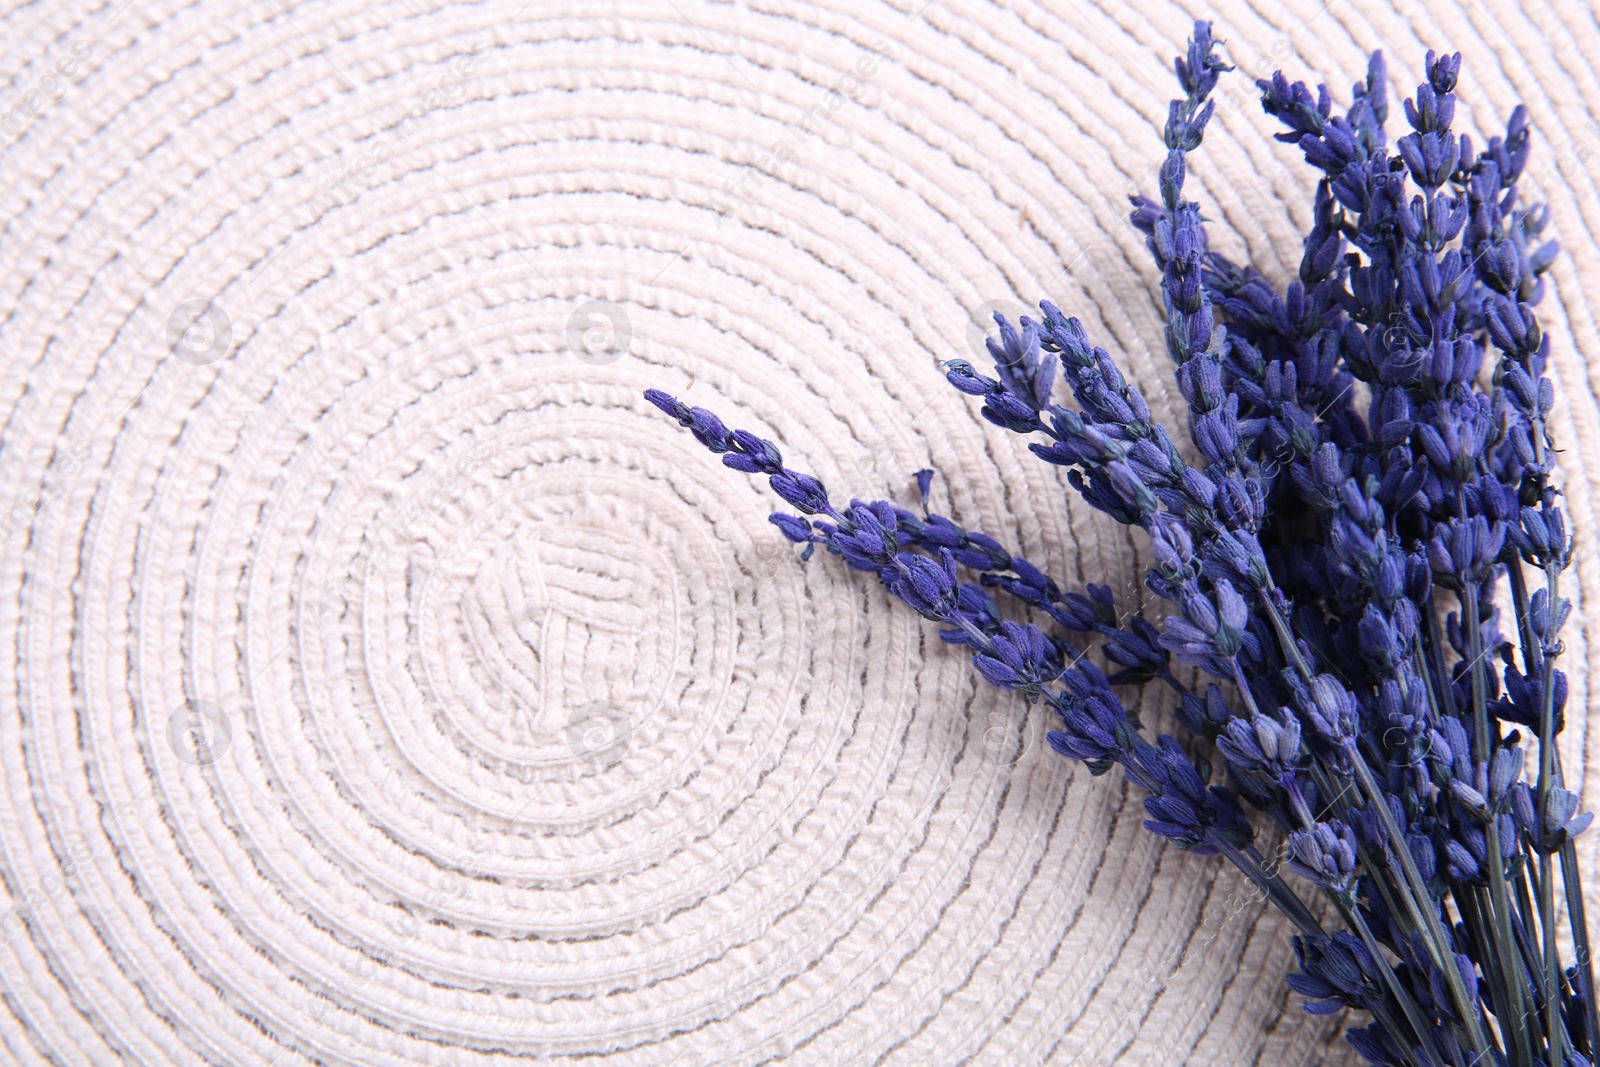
(1336, 572)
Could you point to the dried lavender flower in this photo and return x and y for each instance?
(1335, 570)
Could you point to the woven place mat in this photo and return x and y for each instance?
(385, 682)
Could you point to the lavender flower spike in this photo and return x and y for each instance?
(1332, 556)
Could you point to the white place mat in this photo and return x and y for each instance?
(522, 737)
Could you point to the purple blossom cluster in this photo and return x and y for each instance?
(1371, 459)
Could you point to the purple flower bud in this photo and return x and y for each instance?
(928, 587)
(1011, 411)
(1464, 551)
(1202, 489)
(666, 402)
(1171, 184)
(1325, 855)
(1522, 809)
(1562, 820)
(1020, 657)
(1095, 724)
(1146, 213)
(1184, 809)
(1204, 716)
(1463, 865)
(1505, 768)
(1336, 972)
(1131, 488)
(1329, 709)
(1263, 745)
(706, 427)
(1544, 620)
(801, 490)
(961, 374)
(1378, 641)
(1472, 801)
(794, 528)
(865, 542)
(1028, 379)
(1442, 71)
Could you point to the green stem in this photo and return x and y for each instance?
(1519, 601)
(1580, 939)
(1436, 646)
(1426, 676)
(1572, 881)
(1526, 916)
(1285, 898)
(1500, 912)
(1534, 660)
(1552, 964)
(1471, 902)
(1285, 638)
(1427, 922)
(1352, 917)
(1413, 1013)
(1547, 902)
(1244, 686)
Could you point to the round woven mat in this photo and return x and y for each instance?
(384, 682)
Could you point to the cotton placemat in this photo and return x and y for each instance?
(384, 682)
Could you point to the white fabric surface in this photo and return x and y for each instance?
(522, 735)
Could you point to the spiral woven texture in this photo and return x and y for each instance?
(383, 681)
